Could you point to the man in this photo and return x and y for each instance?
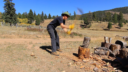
(59, 21)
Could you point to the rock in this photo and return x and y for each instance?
(70, 64)
(85, 60)
(105, 69)
(98, 66)
(108, 64)
(114, 68)
(32, 54)
(96, 69)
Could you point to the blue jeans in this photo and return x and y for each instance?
(54, 38)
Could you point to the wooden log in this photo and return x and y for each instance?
(86, 42)
(121, 43)
(115, 48)
(106, 40)
(110, 39)
(103, 51)
(107, 45)
(83, 52)
(123, 53)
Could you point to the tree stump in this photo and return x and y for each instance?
(84, 51)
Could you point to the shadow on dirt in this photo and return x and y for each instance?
(75, 54)
(46, 48)
(116, 65)
(106, 29)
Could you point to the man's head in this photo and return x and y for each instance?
(65, 15)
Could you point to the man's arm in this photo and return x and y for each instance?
(65, 30)
(64, 26)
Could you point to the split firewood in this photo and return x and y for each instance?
(104, 44)
(103, 51)
(123, 53)
(115, 49)
(106, 40)
(86, 42)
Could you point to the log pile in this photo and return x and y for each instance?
(119, 49)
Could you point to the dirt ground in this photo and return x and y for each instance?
(26, 51)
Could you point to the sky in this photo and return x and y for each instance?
(56, 7)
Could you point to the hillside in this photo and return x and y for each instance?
(99, 14)
(122, 9)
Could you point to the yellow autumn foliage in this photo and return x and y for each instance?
(24, 22)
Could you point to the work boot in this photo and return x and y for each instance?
(59, 50)
(55, 53)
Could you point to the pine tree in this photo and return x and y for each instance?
(90, 16)
(26, 15)
(74, 14)
(34, 15)
(109, 25)
(114, 18)
(19, 15)
(57, 16)
(49, 16)
(10, 15)
(86, 21)
(45, 16)
(39, 16)
(42, 17)
(1, 17)
(120, 24)
(53, 17)
(23, 16)
(120, 17)
(108, 16)
(30, 17)
(94, 16)
(37, 20)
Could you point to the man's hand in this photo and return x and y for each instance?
(71, 26)
(69, 32)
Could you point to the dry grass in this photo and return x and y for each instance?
(17, 45)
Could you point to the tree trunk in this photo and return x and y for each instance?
(10, 24)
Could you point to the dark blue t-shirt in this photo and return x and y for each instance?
(56, 22)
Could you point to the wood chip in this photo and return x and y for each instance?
(81, 67)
